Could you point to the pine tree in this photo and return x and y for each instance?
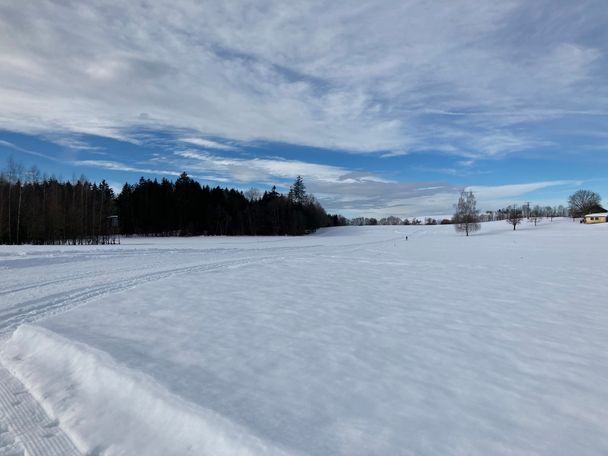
(297, 192)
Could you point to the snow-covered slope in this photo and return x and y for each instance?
(351, 341)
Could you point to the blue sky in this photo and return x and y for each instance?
(384, 107)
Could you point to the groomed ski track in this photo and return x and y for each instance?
(25, 427)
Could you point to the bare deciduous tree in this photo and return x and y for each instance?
(515, 215)
(466, 218)
(253, 194)
(535, 215)
(583, 202)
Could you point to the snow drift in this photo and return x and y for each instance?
(99, 401)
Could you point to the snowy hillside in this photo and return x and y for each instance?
(352, 341)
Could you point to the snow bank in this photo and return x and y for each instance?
(98, 401)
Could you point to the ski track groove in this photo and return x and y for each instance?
(36, 309)
(25, 427)
(28, 423)
(68, 278)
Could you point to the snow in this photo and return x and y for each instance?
(351, 341)
(93, 395)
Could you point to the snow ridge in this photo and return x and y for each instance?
(99, 401)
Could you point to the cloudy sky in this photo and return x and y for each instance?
(384, 106)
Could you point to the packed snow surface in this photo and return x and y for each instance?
(351, 341)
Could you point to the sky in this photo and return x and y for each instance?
(385, 107)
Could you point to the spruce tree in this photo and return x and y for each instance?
(297, 192)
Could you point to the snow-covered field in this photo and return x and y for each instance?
(352, 341)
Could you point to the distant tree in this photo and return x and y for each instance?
(466, 217)
(253, 194)
(297, 192)
(338, 220)
(514, 216)
(525, 209)
(390, 220)
(406, 222)
(33, 175)
(583, 202)
(273, 193)
(15, 175)
(535, 215)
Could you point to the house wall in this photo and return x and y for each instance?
(591, 220)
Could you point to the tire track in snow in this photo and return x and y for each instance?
(36, 309)
(28, 424)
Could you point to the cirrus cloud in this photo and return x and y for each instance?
(473, 76)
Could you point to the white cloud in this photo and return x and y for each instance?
(515, 190)
(265, 169)
(425, 199)
(75, 144)
(390, 76)
(34, 153)
(499, 196)
(207, 143)
(118, 166)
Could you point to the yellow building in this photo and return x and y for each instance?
(601, 217)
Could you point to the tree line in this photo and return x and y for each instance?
(38, 209)
(392, 220)
(467, 218)
(187, 208)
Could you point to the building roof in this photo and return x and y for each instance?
(596, 209)
(599, 214)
